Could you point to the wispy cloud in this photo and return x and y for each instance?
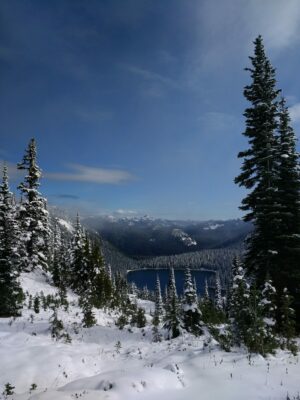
(151, 76)
(82, 173)
(295, 112)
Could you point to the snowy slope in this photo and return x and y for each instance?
(91, 367)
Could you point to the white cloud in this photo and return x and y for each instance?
(225, 31)
(295, 112)
(121, 211)
(82, 173)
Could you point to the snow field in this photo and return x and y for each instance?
(92, 367)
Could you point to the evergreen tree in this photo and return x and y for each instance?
(239, 305)
(36, 304)
(78, 260)
(287, 321)
(101, 284)
(159, 309)
(218, 294)
(255, 333)
(89, 319)
(57, 275)
(287, 273)
(268, 310)
(158, 312)
(190, 309)
(140, 318)
(260, 166)
(11, 294)
(172, 318)
(33, 214)
(206, 291)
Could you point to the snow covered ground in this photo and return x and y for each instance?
(93, 368)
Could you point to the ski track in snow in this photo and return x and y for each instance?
(90, 368)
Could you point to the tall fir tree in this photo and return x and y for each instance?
(287, 273)
(33, 215)
(260, 165)
(190, 310)
(158, 312)
(239, 305)
(77, 258)
(159, 309)
(56, 263)
(173, 321)
(218, 294)
(11, 294)
(287, 321)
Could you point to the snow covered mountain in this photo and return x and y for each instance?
(146, 236)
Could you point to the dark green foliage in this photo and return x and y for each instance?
(89, 319)
(122, 321)
(79, 280)
(36, 304)
(287, 273)
(223, 336)
(57, 328)
(270, 172)
(8, 390)
(101, 284)
(260, 165)
(32, 387)
(11, 295)
(251, 314)
(140, 318)
(172, 323)
(256, 337)
(287, 322)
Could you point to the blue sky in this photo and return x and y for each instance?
(136, 105)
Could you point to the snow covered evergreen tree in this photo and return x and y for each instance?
(172, 318)
(11, 294)
(190, 310)
(218, 294)
(158, 312)
(78, 260)
(33, 214)
(287, 272)
(101, 284)
(56, 256)
(268, 310)
(159, 309)
(287, 322)
(239, 305)
(260, 165)
(85, 303)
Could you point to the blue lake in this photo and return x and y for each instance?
(147, 277)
